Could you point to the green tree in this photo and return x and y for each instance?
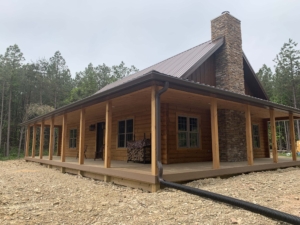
(265, 75)
(59, 79)
(121, 71)
(287, 76)
(12, 64)
(92, 79)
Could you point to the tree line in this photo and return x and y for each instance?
(283, 87)
(31, 89)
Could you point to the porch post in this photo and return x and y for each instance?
(42, 139)
(51, 141)
(154, 169)
(107, 150)
(27, 141)
(33, 141)
(63, 138)
(214, 133)
(292, 136)
(81, 136)
(273, 133)
(249, 136)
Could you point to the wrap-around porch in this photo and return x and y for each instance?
(180, 164)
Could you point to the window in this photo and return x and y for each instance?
(73, 137)
(188, 132)
(125, 132)
(255, 136)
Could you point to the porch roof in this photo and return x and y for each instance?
(154, 77)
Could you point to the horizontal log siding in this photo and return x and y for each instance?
(263, 151)
(142, 124)
(204, 153)
(90, 136)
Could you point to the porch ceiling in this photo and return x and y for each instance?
(192, 100)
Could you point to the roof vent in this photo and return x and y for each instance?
(225, 12)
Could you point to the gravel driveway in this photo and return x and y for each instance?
(33, 194)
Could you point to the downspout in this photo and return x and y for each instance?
(271, 213)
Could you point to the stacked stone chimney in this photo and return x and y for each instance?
(229, 58)
(230, 76)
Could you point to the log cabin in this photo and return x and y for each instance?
(211, 120)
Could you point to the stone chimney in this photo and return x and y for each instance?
(229, 58)
(230, 76)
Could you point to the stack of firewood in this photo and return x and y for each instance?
(139, 151)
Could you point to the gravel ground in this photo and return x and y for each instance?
(32, 194)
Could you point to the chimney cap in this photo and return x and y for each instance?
(225, 12)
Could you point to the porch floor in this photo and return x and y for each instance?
(172, 172)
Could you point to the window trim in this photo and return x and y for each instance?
(117, 138)
(189, 115)
(259, 144)
(73, 128)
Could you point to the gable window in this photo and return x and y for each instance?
(255, 136)
(125, 132)
(73, 138)
(188, 132)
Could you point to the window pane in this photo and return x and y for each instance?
(193, 124)
(71, 133)
(74, 143)
(256, 142)
(70, 143)
(129, 127)
(182, 139)
(194, 140)
(75, 133)
(121, 141)
(182, 123)
(129, 137)
(122, 127)
(255, 130)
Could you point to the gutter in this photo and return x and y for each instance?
(268, 212)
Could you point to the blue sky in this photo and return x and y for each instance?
(140, 33)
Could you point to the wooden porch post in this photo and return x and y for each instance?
(108, 124)
(82, 136)
(27, 141)
(154, 169)
(273, 132)
(249, 136)
(292, 136)
(42, 139)
(33, 141)
(214, 133)
(63, 138)
(51, 141)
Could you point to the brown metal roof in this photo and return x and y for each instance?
(177, 66)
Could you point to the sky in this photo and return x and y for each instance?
(140, 33)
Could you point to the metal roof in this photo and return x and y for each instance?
(178, 66)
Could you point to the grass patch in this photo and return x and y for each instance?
(13, 154)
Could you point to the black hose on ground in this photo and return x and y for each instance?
(271, 213)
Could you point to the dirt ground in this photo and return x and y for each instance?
(33, 194)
